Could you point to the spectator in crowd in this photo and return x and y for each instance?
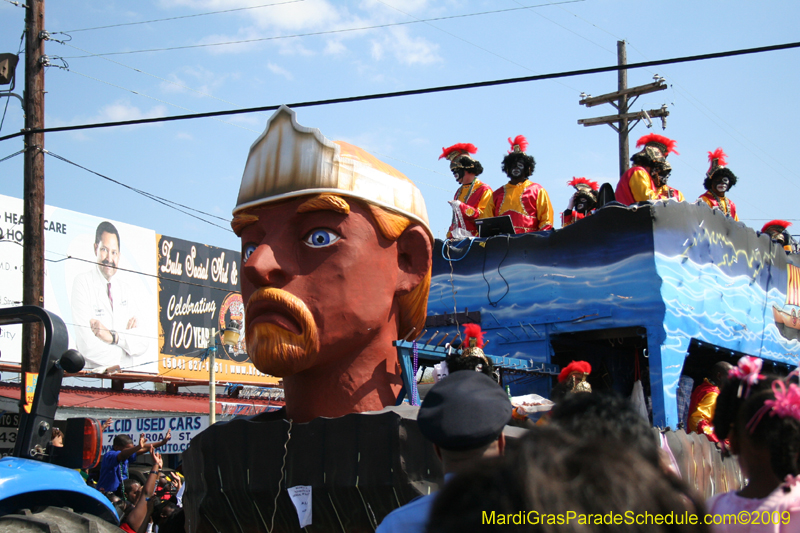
(133, 489)
(163, 511)
(607, 416)
(114, 465)
(57, 438)
(760, 415)
(137, 519)
(552, 473)
(463, 416)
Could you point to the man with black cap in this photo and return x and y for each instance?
(463, 416)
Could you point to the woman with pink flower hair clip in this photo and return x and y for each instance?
(761, 417)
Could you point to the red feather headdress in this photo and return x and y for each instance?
(716, 159)
(574, 366)
(783, 224)
(458, 149)
(520, 141)
(473, 331)
(720, 156)
(574, 182)
(666, 145)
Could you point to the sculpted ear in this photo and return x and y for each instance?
(414, 250)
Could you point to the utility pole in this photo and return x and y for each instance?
(622, 84)
(625, 121)
(33, 224)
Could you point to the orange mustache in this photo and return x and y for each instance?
(273, 348)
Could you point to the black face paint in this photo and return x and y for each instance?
(458, 174)
(517, 170)
(582, 204)
(720, 185)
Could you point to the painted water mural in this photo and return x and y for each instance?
(669, 272)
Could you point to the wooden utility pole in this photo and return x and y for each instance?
(620, 99)
(33, 224)
(622, 84)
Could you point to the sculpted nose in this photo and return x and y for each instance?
(263, 269)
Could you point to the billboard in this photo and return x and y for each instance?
(100, 278)
(199, 295)
(129, 297)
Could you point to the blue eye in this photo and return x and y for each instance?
(248, 250)
(320, 238)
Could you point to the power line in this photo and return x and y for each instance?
(159, 199)
(137, 93)
(179, 17)
(327, 32)
(165, 80)
(469, 42)
(414, 92)
(12, 155)
(181, 282)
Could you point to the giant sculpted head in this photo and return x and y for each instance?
(336, 259)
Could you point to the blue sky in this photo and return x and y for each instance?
(743, 104)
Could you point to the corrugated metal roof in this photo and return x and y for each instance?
(103, 398)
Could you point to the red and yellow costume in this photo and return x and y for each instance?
(528, 205)
(570, 217)
(666, 192)
(776, 229)
(589, 190)
(476, 202)
(636, 185)
(724, 204)
(717, 170)
(702, 406)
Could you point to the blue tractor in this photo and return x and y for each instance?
(41, 488)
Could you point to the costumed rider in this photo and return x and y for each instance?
(647, 178)
(582, 203)
(778, 232)
(473, 199)
(571, 380)
(575, 374)
(661, 172)
(703, 402)
(468, 355)
(526, 202)
(719, 180)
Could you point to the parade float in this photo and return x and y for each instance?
(646, 293)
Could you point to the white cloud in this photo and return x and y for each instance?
(123, 110)
(276, 69)
(335, 47)
(196, 81)
(184, 136)
(405, 48)
(310, 16)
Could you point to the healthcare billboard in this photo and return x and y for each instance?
(199, 295)
(100, 278)
(129, 297)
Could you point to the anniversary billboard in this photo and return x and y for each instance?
(100, 278)
(199, 295)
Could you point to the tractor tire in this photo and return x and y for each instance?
(54, 520)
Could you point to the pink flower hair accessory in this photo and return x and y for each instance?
(747, 371)
(786, 404)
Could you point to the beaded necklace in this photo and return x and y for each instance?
(722, 202)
